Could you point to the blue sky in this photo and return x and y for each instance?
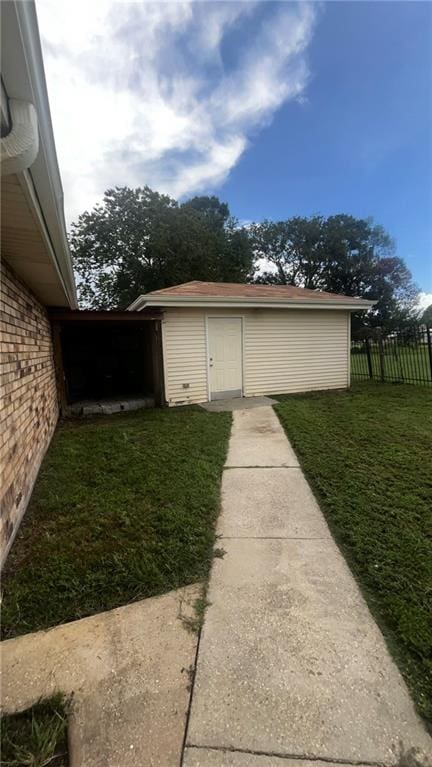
(281, 109)
(362, 141)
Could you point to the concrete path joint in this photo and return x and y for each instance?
(298, 757)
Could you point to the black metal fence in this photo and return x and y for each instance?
(404, 356)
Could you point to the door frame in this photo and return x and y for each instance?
(242, 324)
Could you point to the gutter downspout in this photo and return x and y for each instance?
(20, 147)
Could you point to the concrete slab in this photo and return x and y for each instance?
(110, 406)
(128, 672)
(292, 664)
(239, 403)
(269, 503)
(204, 757)
(257, 439)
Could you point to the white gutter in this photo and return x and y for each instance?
(137, 304)
(248, 303)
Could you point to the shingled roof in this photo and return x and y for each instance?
(239, 290)
(220, 294)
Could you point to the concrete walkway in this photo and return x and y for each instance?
(291, 665)
(128, 671)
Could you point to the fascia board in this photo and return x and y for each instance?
(257, 303)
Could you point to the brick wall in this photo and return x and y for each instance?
(29, 409)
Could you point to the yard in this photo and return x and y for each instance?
(124, 508)
(367, 454)
(401, 363)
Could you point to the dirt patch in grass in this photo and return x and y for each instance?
(367, 454)
(36, 737)
(124, 508)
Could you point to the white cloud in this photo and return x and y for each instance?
(424, 300)
(144, 93)
(264, 266)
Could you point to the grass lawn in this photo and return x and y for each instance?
(401, 364)
(36, 737)
(124, 508)
(367, 454)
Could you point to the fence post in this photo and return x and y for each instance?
(429, 343)
(381, 358)
(368, 354)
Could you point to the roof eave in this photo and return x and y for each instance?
(24, 76)
(218, 302)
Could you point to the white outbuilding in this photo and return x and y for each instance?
(223, 340)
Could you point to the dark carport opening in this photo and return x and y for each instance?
(107, 356)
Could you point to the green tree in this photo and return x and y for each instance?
(138, 240)
(216, 212)
(293, 247)
(426, 317)
(340, 254)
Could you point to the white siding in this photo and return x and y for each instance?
(185, 356)
(295, 350)
(283, 351)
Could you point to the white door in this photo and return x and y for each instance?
(225, 357)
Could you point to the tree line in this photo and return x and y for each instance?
(137, 240)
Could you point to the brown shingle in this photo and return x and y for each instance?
(237, 290)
